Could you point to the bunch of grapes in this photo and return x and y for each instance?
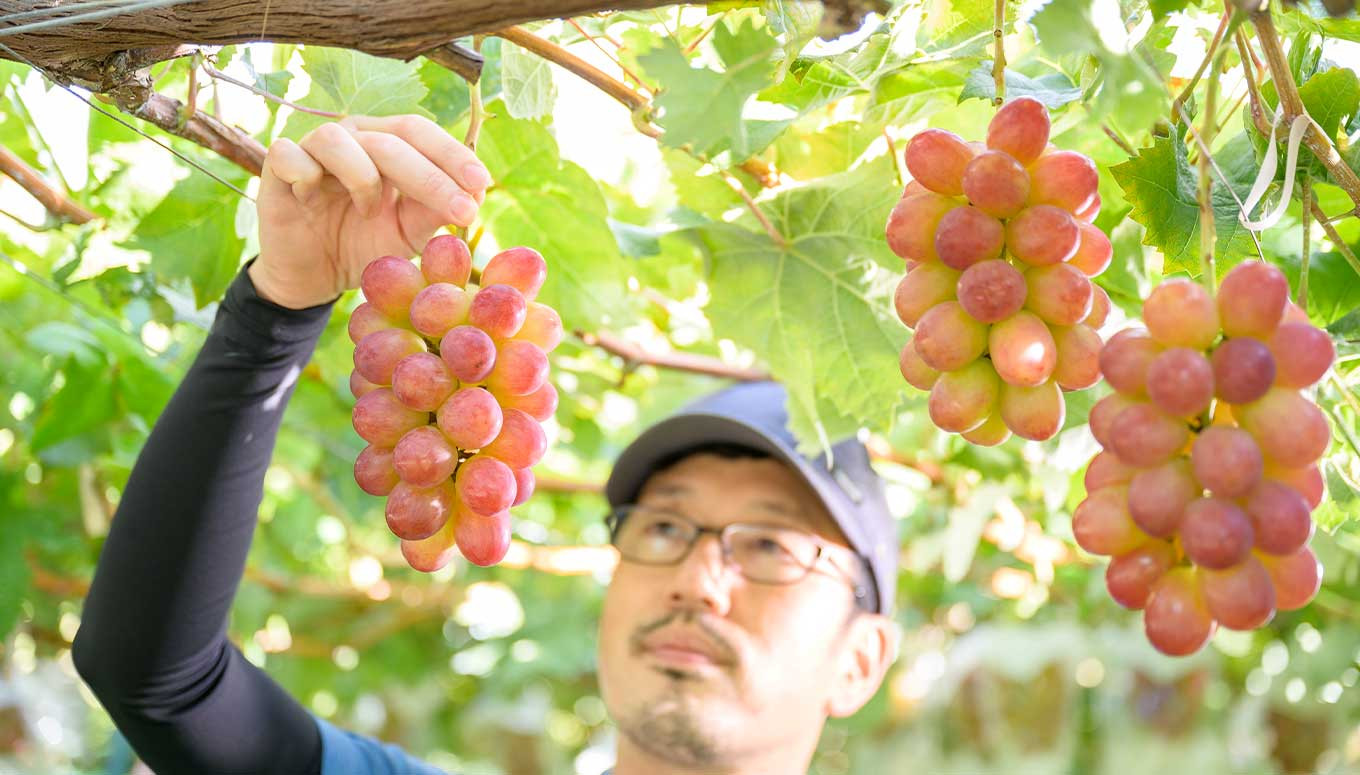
(1000, 250)
(1203, 494)
(452, 385)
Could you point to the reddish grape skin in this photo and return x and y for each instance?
(991, 291)
(991, 432)
(422, 381)
(365, 319)
(922, 288)
(936, 159)
(1065, 179)
(1158, 496)
(521, 368)
(1280, 517)
(483, 540)
(1022, 350)
(1241, 597)
(1089, 213)
(1243, 370)
(469, 353)
(1180, 313)
(1306, 481)
(1107, 470)
(1303, 353)
(912, 223)
(1034, 413)
(524, 485)
(966, 235)
(996, 183)
(521, 442)
(1042, 235)
(1176, 619)
(948, 338)
(914, 187)
(1094, 251)
(499, 310)
(485, 485)
(414, 512)
(1297, 578)
(1291, 430)
(424, 458)
(471, 418)
(961, 400)
(377, 355)
(1131, 576)
(439, 307)
(540, 404)
(1144, 436)
(430, 554)
(1215, 533)
(1251, 299)
(1293, 313)
(373, 470)
(914, 370)
(389, 284)
(1058, 293)
(446, 259)
(358, 386)
(1100, 307)
(1180, 381)
(1020, 128)
(542, 327)
(381, 419)
(1101, 523)
(1227, 461)
(1102, 416)
(520, 268)
(1078, 364)
(1125, 358)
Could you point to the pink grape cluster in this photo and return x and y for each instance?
(1203, 494)
(452, 385)
(1000, 250)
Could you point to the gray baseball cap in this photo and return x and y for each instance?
(753, 414)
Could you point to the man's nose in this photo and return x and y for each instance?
(703, 580)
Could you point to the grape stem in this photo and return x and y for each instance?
(612, 57)
(999, 60)
(218, 75)
(1306, 198)
(56, 201)
(754, 208)
(1206, 178)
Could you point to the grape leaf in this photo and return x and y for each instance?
(816, 81)
(1331, 97)
(902, 96)
(1310, 17)
(796, 22)
(14, 574)
(84, 403)
(963, 27)
(1052, 89)
(527, 81)
(702, 108)
(353, 83)
(1162, 187)
(818, 307)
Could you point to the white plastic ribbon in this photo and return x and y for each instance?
(1266, 176)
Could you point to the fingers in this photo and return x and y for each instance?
(416, 176)
(287, 164)
(338, 151)
(430, 139)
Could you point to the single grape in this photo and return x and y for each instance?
(365, 319)
(996, 183)
(471, 418)
(1100, 307)
(1293, 313)
(377, 355)
(1227, 461)
(1145, 436)
(914, 370)
(948, 338)
(1094, 252)
(1303, 353)
(1042, 234)
(1065, 179)
(1180, 381)
(1251, 299)
(373, 470)
(914, 187)
(1103, 412)
(1088, 214)
(485, 484)
(1241, 597)
(966, 235)
(1306, 481)
(1124, 361)
(540, 404)
(422, 381)
(381, 419)
(414, 512)
(524, 485)
(520, 268)
(439, 307)
(521, 442)
(1131, 576)
(1022, 350)
(1216, 533)
(991, 432)
(1291, 430)
(1106, 470)
(542, 326)
(1078, 364)
(922, 288)
(961, 400)
(424, 458)
(521, 368)
(1101, 523)
(483, 540)
(1058, 293)
(1035, 413)
(991, 291)
(1297, 578)
(430, 554)
(1280, 517)
(1158, 496)
(358, 386)
(1020, 128)
(446, 259)
(469, 353)
(1176, 618)
(389, 284)
(1243, 369)
(1180, 313)
(912, 223)
(499, 310)
(936, 159)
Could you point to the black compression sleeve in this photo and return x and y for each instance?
(152, 643)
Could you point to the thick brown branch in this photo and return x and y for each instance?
(137, 98)
(56, 201)
(467, 64)
(697, 364)
(576, 65)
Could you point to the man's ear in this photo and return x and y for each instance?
(867, 651)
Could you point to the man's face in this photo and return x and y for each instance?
(701, 666)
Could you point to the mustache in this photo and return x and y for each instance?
(727, 652)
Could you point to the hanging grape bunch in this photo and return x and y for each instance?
(1204, 492)
(1000, 250)
(452, 383)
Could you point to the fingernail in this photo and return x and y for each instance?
(464, 209)
(476, 175)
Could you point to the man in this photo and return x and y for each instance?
(748, 607)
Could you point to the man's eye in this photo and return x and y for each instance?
(768, 546)
(663, 528)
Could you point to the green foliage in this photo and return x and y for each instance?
(1053, 89)
(350, 82)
